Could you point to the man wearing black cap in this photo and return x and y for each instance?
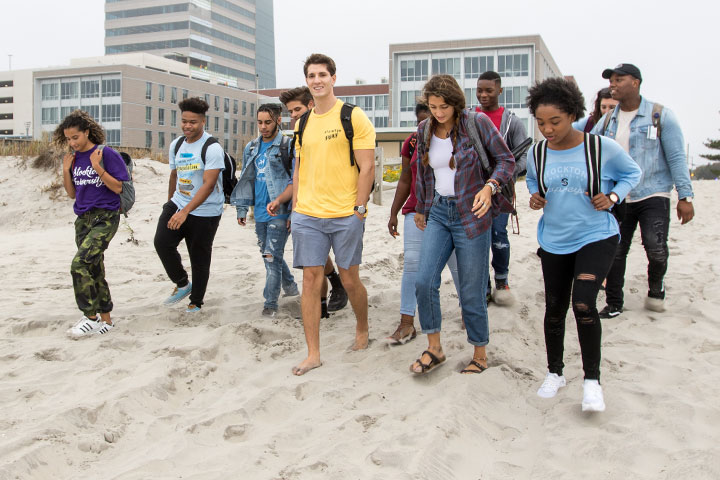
(651, 135)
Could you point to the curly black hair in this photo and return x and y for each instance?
(559, 92)
(81, 120)
(194, 105)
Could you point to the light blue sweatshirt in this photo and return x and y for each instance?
(569, 220)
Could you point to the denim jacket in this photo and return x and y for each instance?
(277, 179)
(662, 161)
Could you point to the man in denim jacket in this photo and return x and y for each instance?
(651, 135)
(264, 177)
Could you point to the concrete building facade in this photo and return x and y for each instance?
(229, 42)
(137, 104)
(16, 113)
(521, 61)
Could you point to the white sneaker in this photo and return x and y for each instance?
(592, 397)
(85, 327)
(551, 385)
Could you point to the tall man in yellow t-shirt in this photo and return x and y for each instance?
(330, 198)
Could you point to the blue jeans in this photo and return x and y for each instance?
(500, 247)
(444, 232)
(412, 242)
(272, 236)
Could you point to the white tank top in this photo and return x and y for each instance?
(440, 153)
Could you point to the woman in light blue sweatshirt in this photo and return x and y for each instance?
(578, 235)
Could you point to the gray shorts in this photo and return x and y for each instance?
(312, 238)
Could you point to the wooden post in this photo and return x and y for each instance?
(379, 167)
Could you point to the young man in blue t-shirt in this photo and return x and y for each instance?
(264, 177)
(195, 204)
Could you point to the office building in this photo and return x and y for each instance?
(229, 42)
(16, 94)
(520, 61)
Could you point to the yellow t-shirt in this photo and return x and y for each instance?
(327, 186)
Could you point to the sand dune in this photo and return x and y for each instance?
(170, 395)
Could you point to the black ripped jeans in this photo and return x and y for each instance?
(578, 274)
(653, 216)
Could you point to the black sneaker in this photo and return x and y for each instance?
(610, 311)
(338, 299)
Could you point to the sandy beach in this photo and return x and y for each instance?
(170, 395)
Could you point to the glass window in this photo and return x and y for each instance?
(244, 127)
(148, 139)
(217, 123)
(235, 127)
(161, 117)
(244, 107)
(112, 137)
(235, 107)
(161, 139)
(449, 66)
(173, 95)
(381, 122)
(226, 126)
(111, 88)
(365, 102)
(148, 91)
(148, 115)
(471, 100)
(235, 146)
(225, 144)
(65, 111)
(207, 98)
(412, 70)
(474, 66)
(252, 110)
(69, 90)
(161, 93)
(226, 105)
(408, 99)
(173, 136)
(513, 97)
(381, 102)
(50, 91)
(173, 118)
(185, 93)
(111, 113)
(513, 65)
(217, 103)
(347, 99)
(90, 89)
(50, 116)
(93, 111)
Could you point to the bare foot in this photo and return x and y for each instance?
(305, 366)
(361, 342)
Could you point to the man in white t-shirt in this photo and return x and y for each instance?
(195, 204)
(651, 135)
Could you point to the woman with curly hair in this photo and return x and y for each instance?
(454, 199)
(93, 176)
(577, 234)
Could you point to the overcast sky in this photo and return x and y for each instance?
(675, 44)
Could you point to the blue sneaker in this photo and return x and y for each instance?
(178, 294)
(192, 308)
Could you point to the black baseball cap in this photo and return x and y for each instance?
(623, 69)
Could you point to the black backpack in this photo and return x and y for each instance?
(593, 162)
(229, 180)
(285, 147)
(345, 120)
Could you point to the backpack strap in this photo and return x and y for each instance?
(608, 116)
(539, 154)
(297, 137)
(285, 154)
(346, 120)
(593, 153)
(205, 147)
(179, 144)
(656, 116)
(474, 135)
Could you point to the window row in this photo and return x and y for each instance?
(83, 89)
(516, 65)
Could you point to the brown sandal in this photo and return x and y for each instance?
(426, 367)
(473, 362)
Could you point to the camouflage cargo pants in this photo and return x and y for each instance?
(93, 232)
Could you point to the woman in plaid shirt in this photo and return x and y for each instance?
(454, 208)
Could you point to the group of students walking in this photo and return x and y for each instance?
(317, 185)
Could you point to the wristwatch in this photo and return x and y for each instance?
(687, 199)
(360, 209)
(614, 197)
(493, 186)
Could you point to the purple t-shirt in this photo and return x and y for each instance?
(90, 191)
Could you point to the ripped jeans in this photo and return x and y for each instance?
(577, 275)
(272, 237)
(653, 216)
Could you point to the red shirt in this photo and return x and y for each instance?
(411, 143)
(495, 115)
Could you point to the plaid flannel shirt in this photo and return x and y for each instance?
(469, 178)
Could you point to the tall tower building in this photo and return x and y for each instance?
(227, 42)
